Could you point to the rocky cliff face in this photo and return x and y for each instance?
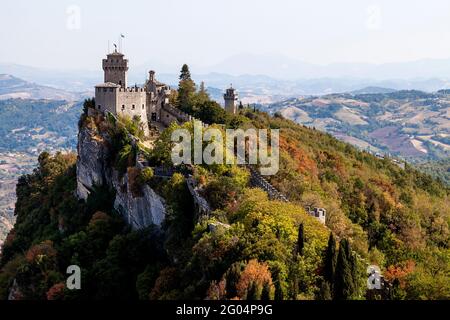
(93, 169)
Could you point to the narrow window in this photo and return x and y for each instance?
(133, 107)
(99, 107)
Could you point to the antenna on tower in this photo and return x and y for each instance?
(109, 49)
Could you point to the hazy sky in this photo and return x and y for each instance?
(74, 34)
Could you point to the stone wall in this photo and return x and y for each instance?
(131, 102)
(106, 98)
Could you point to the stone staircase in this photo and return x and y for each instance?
(257, 180)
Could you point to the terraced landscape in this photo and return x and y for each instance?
(409, 124)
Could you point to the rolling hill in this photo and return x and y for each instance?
(15, 88)
(410, 124)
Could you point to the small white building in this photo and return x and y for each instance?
(318, 213)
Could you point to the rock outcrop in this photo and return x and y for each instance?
(91, 162)
(94, 169)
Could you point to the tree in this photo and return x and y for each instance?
(253, 292)
(211, 112)
(185, 74)
(266, 292)
(279, 293)
(330, 260)
(344, 287)
(202, 95)
(186, 90)
(254, 272)
(232, 278)
(325, 291)
(300, 239)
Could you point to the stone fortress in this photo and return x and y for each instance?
(150, 102)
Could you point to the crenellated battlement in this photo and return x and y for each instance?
(132, 89)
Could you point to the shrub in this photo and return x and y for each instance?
(146, 175)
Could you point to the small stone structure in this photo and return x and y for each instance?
(318, 213)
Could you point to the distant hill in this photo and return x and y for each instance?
(27, 128)
(255, 81)
(438, 169)
(373, 90)
(12, 88)
(411, 124)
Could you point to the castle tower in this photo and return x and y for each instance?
(230, 97)
(115, 68)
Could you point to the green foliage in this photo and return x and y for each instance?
(266, 293)
(346, 278)
(301, 239)
(186, 90)
(253, 292)
(232, 277)
(146, 175)
(54, 230)
(261, 249)
(330, 260)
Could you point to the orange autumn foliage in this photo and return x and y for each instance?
(255, 272)
(44, 249)
(399, 272)
(305, 164)
(56, 292)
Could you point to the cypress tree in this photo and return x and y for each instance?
(265, 294)
(300, 239)
(253, 292)
(330, 260)
(202, 95)
(343, 284)
(232, 277)
(279, 294)
(325, 291)
(355, 276)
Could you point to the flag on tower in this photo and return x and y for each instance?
(122, 36)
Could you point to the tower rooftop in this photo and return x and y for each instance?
(107, 85)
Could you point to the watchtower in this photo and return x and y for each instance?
(115, 68)
(230, 97)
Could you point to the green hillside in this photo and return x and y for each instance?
(248, 247)
(409, 124)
